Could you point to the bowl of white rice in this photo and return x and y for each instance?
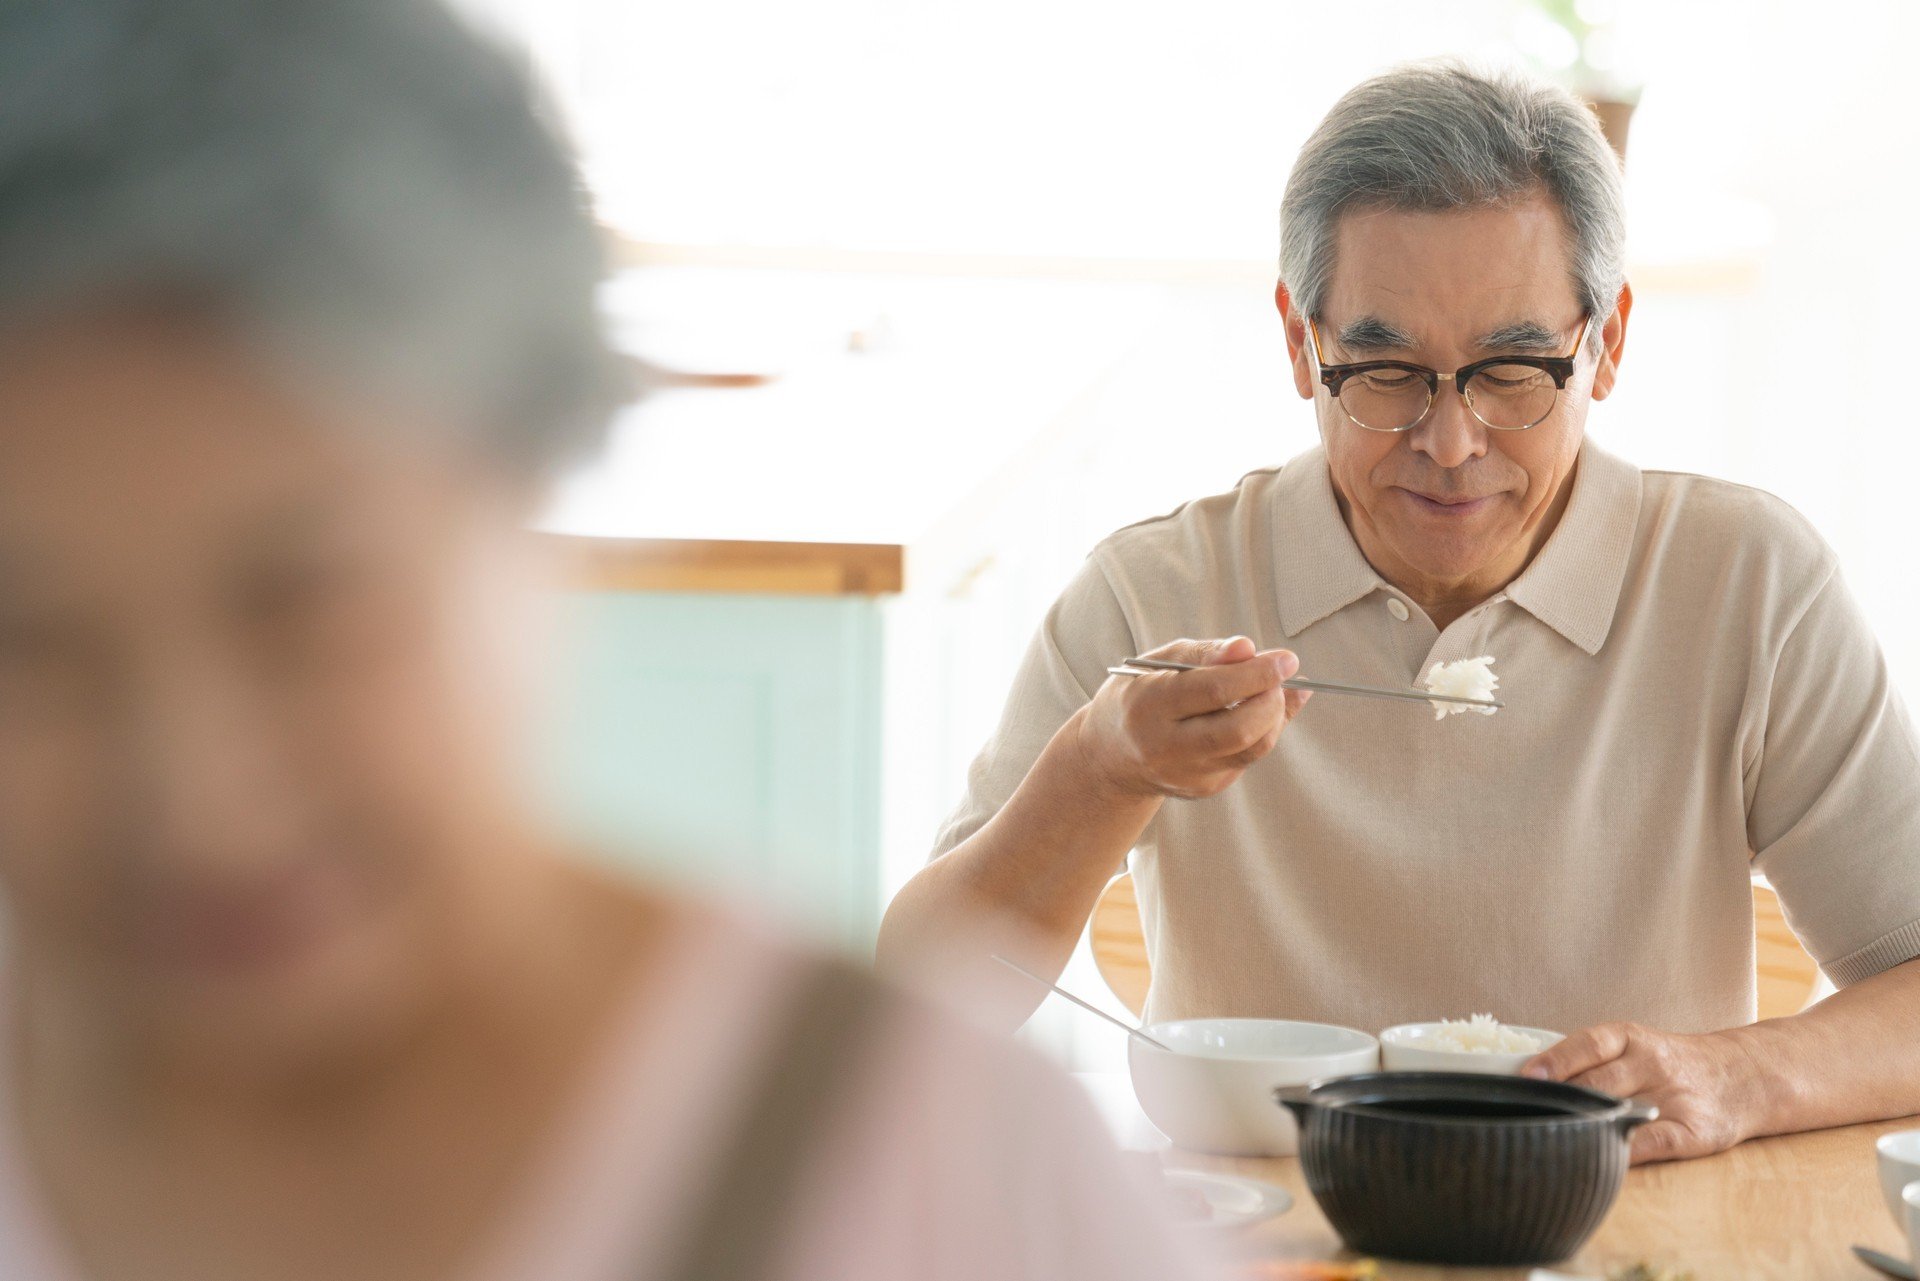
(1480, 1043)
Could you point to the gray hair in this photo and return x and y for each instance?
(361, 187)
(1437, 135)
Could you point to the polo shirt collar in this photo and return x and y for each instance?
(1320, 568)
(1572, 585)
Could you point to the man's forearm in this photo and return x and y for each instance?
(1024, 883)
(1853, 1057)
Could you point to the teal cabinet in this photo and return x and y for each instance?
(727, 742)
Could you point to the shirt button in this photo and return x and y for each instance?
(1397, 607)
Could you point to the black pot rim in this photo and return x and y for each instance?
(1610, 1110)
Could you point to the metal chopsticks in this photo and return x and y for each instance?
(1145, 666)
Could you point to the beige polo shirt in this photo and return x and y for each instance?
(1691, 695)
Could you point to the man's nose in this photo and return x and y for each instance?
(1449, 434)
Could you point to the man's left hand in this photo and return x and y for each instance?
(1708, 1087)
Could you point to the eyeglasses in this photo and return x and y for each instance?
(1508, 393)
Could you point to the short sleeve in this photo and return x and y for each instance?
(1834, 814)
(1084, 632)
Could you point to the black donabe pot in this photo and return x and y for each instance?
(1449, 1167)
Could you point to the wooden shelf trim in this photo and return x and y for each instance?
(730, 566)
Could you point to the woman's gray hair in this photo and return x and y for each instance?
(1438, 135)
(361, 187)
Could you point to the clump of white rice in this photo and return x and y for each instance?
(1482, 1034)
(1463, 678)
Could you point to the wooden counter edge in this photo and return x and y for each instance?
(728, 566)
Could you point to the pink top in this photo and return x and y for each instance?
(967, 1158)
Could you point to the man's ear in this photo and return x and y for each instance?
(1612, 340)
(1298, 350)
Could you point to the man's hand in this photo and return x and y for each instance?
(1189, 733)
(1023, 884)
(1710, 1088)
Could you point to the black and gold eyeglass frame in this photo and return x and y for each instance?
(1506, 393)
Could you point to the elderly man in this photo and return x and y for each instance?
(1691, 695)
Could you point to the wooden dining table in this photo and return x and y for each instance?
(1789, 1207)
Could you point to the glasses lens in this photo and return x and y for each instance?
(1385, 399)
(1511, 396)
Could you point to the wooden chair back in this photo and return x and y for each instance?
(1785, 974)
(1119, 945)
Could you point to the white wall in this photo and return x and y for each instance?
(1147, 131)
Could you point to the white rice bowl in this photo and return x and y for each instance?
(1483, 1034)
(1478, 1044)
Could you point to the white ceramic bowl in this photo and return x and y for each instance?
(1911, 1196)
(1410, 1048)
(1899, 1154)
(1214, 1091)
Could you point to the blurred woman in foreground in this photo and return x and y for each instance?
(296, 311)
